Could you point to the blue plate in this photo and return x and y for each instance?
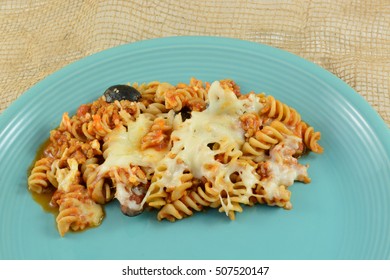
(343, 214)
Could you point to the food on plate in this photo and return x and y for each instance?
(175, 149)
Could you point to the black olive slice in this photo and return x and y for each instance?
(121, 92)
(185, 113)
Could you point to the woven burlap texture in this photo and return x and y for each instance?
(351, 39)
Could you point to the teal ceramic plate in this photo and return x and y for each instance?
(343, 214)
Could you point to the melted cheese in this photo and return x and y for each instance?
(124, 147)
(192, 140)
(123, 196)
(66, 176)
(191, 150)
(219, 123)
(92, 212)
(284, 169)
(171, 177)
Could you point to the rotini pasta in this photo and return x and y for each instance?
(174, 149)
(39, 181)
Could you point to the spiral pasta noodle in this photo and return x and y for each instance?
(38, 180)
(99, 188)
(310, 137)
(266, 138)
(173, 149)
(193, 96)
(278, 110)
(148, 90)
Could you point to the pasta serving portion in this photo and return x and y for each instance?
(176, 149)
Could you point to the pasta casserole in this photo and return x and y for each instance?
(176, 149)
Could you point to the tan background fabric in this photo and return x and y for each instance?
(349, 38)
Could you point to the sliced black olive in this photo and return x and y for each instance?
(185, 113)
(121, 92)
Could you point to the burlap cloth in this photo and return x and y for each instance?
(349, 38)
